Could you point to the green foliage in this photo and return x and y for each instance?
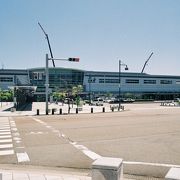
(6, 95)
(76, 90)
(59, 96)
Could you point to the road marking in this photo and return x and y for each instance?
(95, 156)
(82, 148)
(16, 134)
(5, 130)
(151, 164)
(5, 133)
(14, 129)
(6, 152)
(6, 146)
(5, 140)
(22, 157)
(6, 136)
(16, 138)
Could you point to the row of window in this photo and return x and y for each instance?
(136, 81)
(6, 79)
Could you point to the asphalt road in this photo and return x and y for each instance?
(142, 133)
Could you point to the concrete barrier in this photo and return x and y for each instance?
(173, 174)
(107, 168)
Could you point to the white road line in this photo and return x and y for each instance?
(6, 136)
(151, 164)
(5, 126)
(6, 152)
(16, 138)
(82, 148)
(4, 130)
(21, 147)
(16, 134)
(95, 156)
(6, 146)
(5, 133)
(22, 157)
(14, 129)
(5, 140)
(4, 123)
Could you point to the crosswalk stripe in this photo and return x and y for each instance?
(6, 136)
(6, 152)
(5, 140)
(4, 130)
(6, 146)
(5, 133)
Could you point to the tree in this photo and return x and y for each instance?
(76, 90)
(59, 96)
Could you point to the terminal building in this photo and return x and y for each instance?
(140, 85)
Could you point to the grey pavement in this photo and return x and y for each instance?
(30, 175)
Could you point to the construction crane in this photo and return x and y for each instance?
(46, 35)
(146, 62)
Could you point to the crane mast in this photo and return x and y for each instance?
(46, 35)
(146, 62)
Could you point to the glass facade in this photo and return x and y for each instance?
(59, 78)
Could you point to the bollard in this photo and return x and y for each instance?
(112, 109)
(103, 110)
(122, 108)
(37, 111)
(91, 110)
(106, 168)
(52, 111)
(47, 112)
(76, 110)
(60, 111)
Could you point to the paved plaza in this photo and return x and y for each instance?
(146, 136)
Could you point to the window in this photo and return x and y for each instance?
(38, 75)
(146, 81)
(132, 81)
(177, 82)
(6, 79)
(35, 76)
(166, 82)
(111, 80)
(101, 80)
(91, 80)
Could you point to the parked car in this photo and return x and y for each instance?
(97, 102)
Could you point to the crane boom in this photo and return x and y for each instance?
(47, 42)
(146, 62)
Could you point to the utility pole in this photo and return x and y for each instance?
(47, 83)
(47, 75)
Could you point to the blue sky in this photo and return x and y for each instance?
(99, 32)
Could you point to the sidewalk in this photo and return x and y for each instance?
(19, 175)
(43, 175)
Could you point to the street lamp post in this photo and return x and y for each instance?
(47, 83)
(47, 75)
(126, 68)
